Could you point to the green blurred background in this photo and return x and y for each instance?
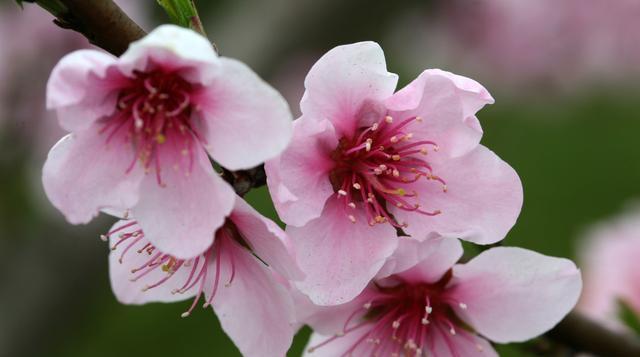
(574, 144)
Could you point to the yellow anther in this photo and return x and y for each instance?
(160, 138)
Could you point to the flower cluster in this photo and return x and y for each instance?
(376, 188)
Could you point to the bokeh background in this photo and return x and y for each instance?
(564, 75)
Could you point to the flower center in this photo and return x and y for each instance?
(155, 108)
(378, 166)
(159, 268)
(400, 319)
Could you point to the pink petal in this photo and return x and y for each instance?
(340, 257)
(267, 240)
(299, 179)
(514, 294)
(174, 49)
(79, 187)
(482, 202)
(339, 346)
(247, 121)
(76, 91)
(131, 292)
(181, 216)
(343, 80)
(330, 320)
(447, 103)
(254, 309)
(440, 342)
(425, 261)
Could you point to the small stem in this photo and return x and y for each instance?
(196, 23)
(585, 335)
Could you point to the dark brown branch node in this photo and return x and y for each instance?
(244, 180)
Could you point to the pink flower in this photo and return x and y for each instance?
(564, 42)
(254, 308)
(424, 305)
(365, 161)
(142, 126)
(611, 270)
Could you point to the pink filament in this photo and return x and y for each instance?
(382, 163)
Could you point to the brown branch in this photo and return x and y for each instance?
(585, 335)
(102, 22)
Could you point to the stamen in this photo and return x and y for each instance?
(383, 175)
(153, 109)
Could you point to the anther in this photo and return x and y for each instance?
(352, 218)
(342, 193)
(388, 119)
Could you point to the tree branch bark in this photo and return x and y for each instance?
(102, 22)
(582, 334)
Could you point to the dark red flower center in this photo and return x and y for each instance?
(378, 166)
(155, 109)
(399, 319)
